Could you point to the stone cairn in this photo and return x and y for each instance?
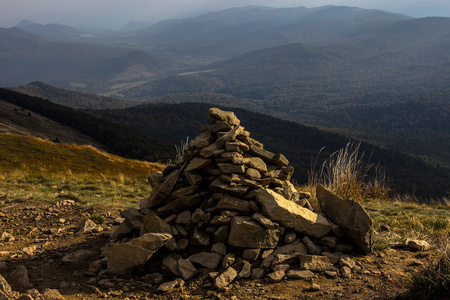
(226, 210)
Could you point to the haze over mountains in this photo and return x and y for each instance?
(368, 74)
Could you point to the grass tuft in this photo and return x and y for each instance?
(346, 175)
(97, 219)
(433, 280)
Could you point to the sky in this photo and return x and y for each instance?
(114, 14)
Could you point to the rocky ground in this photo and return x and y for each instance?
(42, 251)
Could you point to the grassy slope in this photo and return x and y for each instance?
(34, 169)
(33, 155)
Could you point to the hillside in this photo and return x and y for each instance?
(35, 156)
(116, 138)
(300, 144)
(16, 120)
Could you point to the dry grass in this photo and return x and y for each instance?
(34, 169)
(345, 174)
(433, 280)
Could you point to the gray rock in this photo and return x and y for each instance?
(228, 202)
(230, 135)
(236, 146)
(291, 215)
(19, 277)
(284, 267)
(258, 273)
(155, 179)
(197, 215)
(266, 222)
(206, 259)
(329, 241)
(171, 264)
(219, 248)
(225, 278)
(183, 217)
(312, 248)
(77, 256)
(417, 245)
(266, 263)
(202, 140)
(246, 233)
(334, 259)
(346, 272)
(124, 229)
(197, 163)
(253, 174)
(180, 204)
(186, 269)
(192, 178)
(4, 286)
(349, 215)
(276, 276)
(122, 258)
(346, 261)
(228, 260)
(199, 238)
(289, 237)
(229, 117)
(159, 194)
(251, 254)
(315, 263)
(218, 126)
(167, 287)
(285, 259)
(182, 244)
(208, 151)
(88, 226)
(300, 274)
(246, 270)
(231, 168)
(267, 156)
(222, 186)
(52, 294)
(258, 164)
(181, 192)
(152, 241)
(4, 296)
(222, 234)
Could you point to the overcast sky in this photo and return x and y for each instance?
(116, 13)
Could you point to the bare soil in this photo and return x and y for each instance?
(50, 228)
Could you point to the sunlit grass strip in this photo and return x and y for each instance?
(36, 156)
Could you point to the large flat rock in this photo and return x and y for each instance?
(349, 215)
(291, 215)
(247, 233)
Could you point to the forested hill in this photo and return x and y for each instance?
(300, 144)
(118, 139)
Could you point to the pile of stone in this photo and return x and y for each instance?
(227, 210)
